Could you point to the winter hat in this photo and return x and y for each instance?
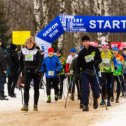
(124, 49)
(13, 46)
(50, 50)
(73, 50)
(104, 44)
(85, 38)
(59, 51)
(115, 48)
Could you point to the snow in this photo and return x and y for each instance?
(55, 113)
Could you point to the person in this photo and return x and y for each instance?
(124, 72)
(61, 75)
(88, 61)
(51, 66)
(106, 69)
(70, 57)
(74, 72)
(69, 60)
(30, 63)
(117, 74)
(12, 69)
(2, 71)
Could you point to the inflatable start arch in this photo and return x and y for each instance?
(68, 23)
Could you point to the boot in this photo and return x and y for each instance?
(85, 108)
(108, 103)
(117, 100)
(56, 97)
(60, 96)
(72, 96)
(24, 108)
(49, 99)
(35, 108)
(122, 94)
(2, 97)
(13, 95)
(102, 102)
(78, 97)
(112, 99)
(95, 103)
(81, 106)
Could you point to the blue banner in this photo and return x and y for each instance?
(52, 31)
(93, 23)
(68, 23)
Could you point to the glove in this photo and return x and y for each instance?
(115, 67)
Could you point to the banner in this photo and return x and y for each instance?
(52, 31)
(120, 45)
(68, 23)
(93, 23)
(19, 37)
(43, 45)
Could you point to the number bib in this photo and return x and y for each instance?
(106, 60)
(89, 58)
(29, 57)
(51, 73)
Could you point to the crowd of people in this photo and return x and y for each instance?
(100, 70)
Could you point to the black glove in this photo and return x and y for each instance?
(115, 67)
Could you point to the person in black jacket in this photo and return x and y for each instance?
(12, 69)
(88, 61)
(2, 71)
(30, 63)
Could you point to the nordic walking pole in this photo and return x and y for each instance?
(67, 94)
(120, 82)
(98, 83)
(22, 96)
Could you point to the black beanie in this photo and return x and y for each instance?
(85, 38)
(124, 48)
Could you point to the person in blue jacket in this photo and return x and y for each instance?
(51, 66)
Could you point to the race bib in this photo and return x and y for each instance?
(106, 60)
(89, 58)
(51, 73)
(29, 57)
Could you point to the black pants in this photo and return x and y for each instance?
(12, 81)
(61, 79)
(118, 79)
(52, 82)
(72, 81)
(28, 77)
(107, 80)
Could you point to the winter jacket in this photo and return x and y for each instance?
(74, 69)
(51, 66)
(118, 63)
(12, 62)
(30, 60)
(63, 62)
(2, 62)
(124, 67)
(87, 58)
(107, 64)
(69, 61)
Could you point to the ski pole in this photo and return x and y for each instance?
(99, 83)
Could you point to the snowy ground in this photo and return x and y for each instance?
(55, 114)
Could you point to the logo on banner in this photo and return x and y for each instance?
(72, 23)
(44, 47)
